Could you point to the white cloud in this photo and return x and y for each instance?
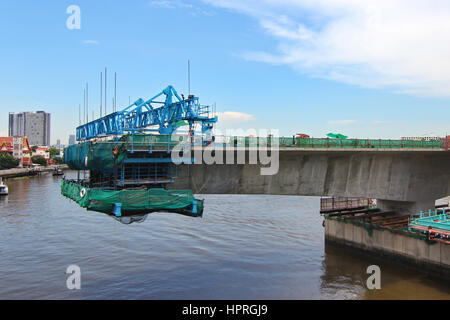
(162, 4)
(342, 121)
(402, 45)
(234, 116)
(91, 42)
(180, 4)
(170, 4)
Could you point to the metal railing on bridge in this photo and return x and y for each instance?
(336, 143)
(334, 204)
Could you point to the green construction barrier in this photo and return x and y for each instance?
(131, 199)
(98, 155)
(334, 143)
(94, 155)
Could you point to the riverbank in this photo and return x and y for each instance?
(22, 172)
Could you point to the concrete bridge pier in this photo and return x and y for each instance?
(406, 207)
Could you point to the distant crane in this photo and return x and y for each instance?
(137, 117)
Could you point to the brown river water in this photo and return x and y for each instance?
(244, 247)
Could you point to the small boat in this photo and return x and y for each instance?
(3, 188)
(58, 172)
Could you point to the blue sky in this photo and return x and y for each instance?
(354, 67)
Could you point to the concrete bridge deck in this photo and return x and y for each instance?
(404, 180)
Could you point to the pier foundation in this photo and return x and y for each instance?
(428, 256)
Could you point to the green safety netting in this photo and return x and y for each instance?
(154, 139)
(98, 155)
(94, 155)
(368, 143)
(335, 143)
(130, 199)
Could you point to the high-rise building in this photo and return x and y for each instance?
(34, 125)
(71, 139)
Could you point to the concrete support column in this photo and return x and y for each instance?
(405, 207)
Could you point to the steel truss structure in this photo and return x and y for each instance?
(138, 117)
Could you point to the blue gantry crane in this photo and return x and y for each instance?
(138, 117)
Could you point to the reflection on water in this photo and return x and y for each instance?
(131, 219)
(244, 247)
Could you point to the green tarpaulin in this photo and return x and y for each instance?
(98, 155)
(131, 199)
(94, 156)
(180, 123)
(337, 136)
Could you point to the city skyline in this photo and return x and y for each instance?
(14, 132)
(282, 67)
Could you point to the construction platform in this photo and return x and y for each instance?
(405, 238)
(127, 176)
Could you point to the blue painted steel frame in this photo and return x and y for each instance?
(433, 219)
(136, 174)
(143, 114)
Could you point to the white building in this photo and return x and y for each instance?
(33, 125)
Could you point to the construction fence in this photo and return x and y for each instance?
(336, 143)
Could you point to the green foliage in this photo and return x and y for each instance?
(53, 152)
(7, 161)
(58, 160)
(33, 148)
(39, 160)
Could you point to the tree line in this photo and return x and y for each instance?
(7, 161)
